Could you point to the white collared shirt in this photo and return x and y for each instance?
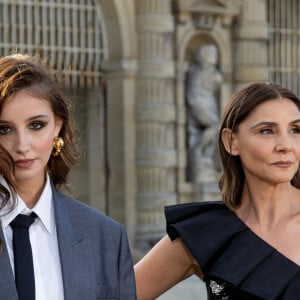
(44, 244)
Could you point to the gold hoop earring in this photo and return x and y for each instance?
(58, 144)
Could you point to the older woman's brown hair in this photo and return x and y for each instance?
(238, 108)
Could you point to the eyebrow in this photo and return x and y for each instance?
(30, 119)
(268, 123)
(37, 117)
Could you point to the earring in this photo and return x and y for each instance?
(58, 144)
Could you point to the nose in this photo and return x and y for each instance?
(22, 143)
(284, 143)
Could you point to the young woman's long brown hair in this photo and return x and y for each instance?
(20, 72)
(7, 172)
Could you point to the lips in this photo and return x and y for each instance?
(24, 163)
(283, 164)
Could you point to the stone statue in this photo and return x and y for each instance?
(202, 84)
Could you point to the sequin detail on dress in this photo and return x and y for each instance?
(217, 289)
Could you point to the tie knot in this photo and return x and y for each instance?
(23, 221)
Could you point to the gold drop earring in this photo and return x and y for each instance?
(58, 144)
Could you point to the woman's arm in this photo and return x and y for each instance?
(167, 263)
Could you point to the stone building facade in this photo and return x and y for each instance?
(125, 63)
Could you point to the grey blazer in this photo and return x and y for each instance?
(95, 257)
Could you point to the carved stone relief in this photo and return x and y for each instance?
(202, 24)
(202, 85)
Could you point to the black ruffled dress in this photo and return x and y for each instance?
(237, 264)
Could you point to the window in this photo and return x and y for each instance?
(284, 43)
(69, 34)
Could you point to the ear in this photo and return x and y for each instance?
(230, 142)
(58, 126)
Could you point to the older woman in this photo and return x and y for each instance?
(246, 246)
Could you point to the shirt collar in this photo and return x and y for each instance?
(43, 208)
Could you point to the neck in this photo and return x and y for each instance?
(30, 192)
(265, 207)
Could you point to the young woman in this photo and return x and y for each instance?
(247, 246)
(77, 252)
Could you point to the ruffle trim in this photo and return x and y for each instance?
(227, 250)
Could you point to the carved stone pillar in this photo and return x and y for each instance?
(251, 62)
(120, 85)
(155, 125)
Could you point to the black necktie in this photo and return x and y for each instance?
(24, 275)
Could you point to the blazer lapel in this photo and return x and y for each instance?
(7, 280)
(75, 254)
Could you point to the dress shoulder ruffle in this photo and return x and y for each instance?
(227, 250)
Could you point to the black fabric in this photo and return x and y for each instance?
(230, 254)
(24, 273)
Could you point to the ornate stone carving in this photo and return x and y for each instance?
(203, 81)
(204, 21)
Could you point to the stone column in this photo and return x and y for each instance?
(155, 119)
(120, 90)
(96, 149)
(251, 62)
